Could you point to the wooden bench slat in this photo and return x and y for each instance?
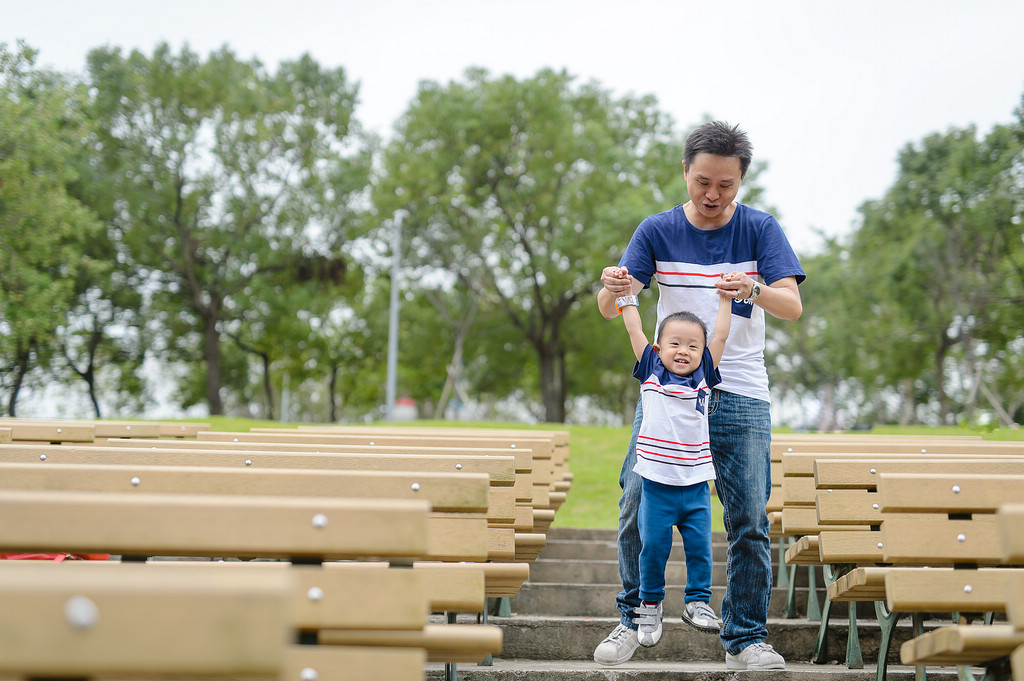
(857, 472)
(859, 584)
(848, 506)
(1010, 519)
(961, 645)
(445, 491)
(948, 493)
(804, 551)
(201, 525)
(443, 643)
(72, 624)
(910, 589)
(838, 546)
(350, 662)
(938, 540)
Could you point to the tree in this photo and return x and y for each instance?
(222, 174)
(43, 229)
(530, 188)
(933, 258)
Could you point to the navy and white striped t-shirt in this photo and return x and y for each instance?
(672, 446)
(686, 261)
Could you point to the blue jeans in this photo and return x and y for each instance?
(740, 430)
(687, 507)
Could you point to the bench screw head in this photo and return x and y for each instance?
(308, 674)
(513, 446)
(60, 430)
(873, 471)
(415, 487)
(874, 506)
(968, 588)
(248, 462)
(372, 443)
(315, 594)
(136, 482)
(961, 538)
(42, 457)
(924, 451)
(879, 544)
(956, 489)
(319, 520)
(458, 466)
(81, 612)
(235, 440)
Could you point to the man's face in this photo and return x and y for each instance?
(712, 182)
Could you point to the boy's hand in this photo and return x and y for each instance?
(730, 285)
(617, 281)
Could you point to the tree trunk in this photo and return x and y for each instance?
(268, 389)
(20, 369)
(827, 413)
(552, 384)
(908, 409)
(332, 399)
(211, 339)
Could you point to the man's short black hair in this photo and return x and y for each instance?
(720, 139)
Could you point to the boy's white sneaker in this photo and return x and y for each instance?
(701, 616)
(648, 619)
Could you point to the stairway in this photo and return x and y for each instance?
(568, 606)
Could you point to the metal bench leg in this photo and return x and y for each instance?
(831, 573)
(789, 612)
(854, 658)
(813, 608)
(782, 580)
(482, 619)
(450, 672)
(887, 623)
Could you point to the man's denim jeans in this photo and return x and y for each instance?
(740, 430)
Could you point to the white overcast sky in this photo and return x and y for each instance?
(829, 91)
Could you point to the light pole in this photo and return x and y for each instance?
(396, 264)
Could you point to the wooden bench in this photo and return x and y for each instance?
(504, 578)
(519, 531)
(300, 530)
(534, 453)
(835, 520)
(919, 519)
(990, 541)
(60, 621)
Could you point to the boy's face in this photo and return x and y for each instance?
(681, 347)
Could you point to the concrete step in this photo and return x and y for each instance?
(572, 670)
(598, 600)
(541, 637)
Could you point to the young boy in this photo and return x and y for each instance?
(674, 458)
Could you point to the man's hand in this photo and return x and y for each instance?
(735, 285)
(617, 281)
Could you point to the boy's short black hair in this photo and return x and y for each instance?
(720, 139)
(682, 317)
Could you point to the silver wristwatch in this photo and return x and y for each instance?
(755, 291)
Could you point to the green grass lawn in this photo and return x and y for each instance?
(596, 455)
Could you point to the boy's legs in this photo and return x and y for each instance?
(658, 515)
(740, 443)
(694, 525)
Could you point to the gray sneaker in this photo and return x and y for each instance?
(648, 619)
(618, 647)
(755, 656)
(702, 617)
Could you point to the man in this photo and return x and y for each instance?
(686, 249)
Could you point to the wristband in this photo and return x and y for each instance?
(625, 301)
